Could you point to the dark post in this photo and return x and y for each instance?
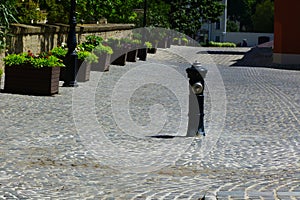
(72, 58)
(196, 75)
(145, 14)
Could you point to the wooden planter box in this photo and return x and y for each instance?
(152, 50)
(142, 54)
(119, 58)
(83, 73)
(162, 44)
(103, 63)
(169, 41)
(132, 56)
(28, 80)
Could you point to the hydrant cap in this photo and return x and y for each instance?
(197, 64)
(203, 71)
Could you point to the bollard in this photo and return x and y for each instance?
(196, 74)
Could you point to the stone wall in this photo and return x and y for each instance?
(44, 37)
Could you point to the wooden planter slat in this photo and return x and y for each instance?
(102, 64)
(142, 54)
(29, 80)
(132, 56)
(119, 57)
(83, 73)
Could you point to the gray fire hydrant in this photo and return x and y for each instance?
(196, 74)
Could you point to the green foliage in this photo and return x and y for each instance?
(29, 11)
(103, 49)
(148, 45)
(158, 14)
(93, 40)
(59, 52)
(86, 47)
(221, 44)
(57, 12)
(187, 16)
(263, 19)
(37, 61)
(7, 12)
(232, 26)
(86, 55)
(1, 72)
(185, 40)
(241, 11)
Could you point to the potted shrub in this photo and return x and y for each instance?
(83, 70)
(85, 58)
(104, 53)
(184, 41)
(119, 55)
(176, 41)
(27, 73)
(153, 48)
(130, 46)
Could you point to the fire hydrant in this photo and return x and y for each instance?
(196, 74)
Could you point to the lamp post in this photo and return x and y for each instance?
(145, 14)
(72, 57)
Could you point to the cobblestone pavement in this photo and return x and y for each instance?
(251, 147)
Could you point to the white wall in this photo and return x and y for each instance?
(252, 38)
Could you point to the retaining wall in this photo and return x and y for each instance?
(44, 37)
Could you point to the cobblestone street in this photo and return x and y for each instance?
(50, 148)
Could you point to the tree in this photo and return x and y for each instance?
(57, 12)
(158, 14)
(187, 16)
(263, 19)
(29, 11)
(7, 13)
(241, 11)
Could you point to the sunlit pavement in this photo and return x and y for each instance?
(253, 137)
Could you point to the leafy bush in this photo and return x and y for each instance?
(184, 40)
(221, 44)
(148, 45)
(1, 72)
(86, 55)
(59, 51)
(93, 39)
(37, 61)
(91, 42)
(102, 49)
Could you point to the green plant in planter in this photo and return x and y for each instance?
(148, 45)
(103, 49)
(86, 47)
(88, 56)
(113, 43)
(59, 51)
(93, 40)
(184, 40)
(37, 61)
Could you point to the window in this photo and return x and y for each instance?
(217, 39)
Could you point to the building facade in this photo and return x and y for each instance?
(287, 32)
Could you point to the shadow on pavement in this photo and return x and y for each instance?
(222, 52)
(261, 57)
